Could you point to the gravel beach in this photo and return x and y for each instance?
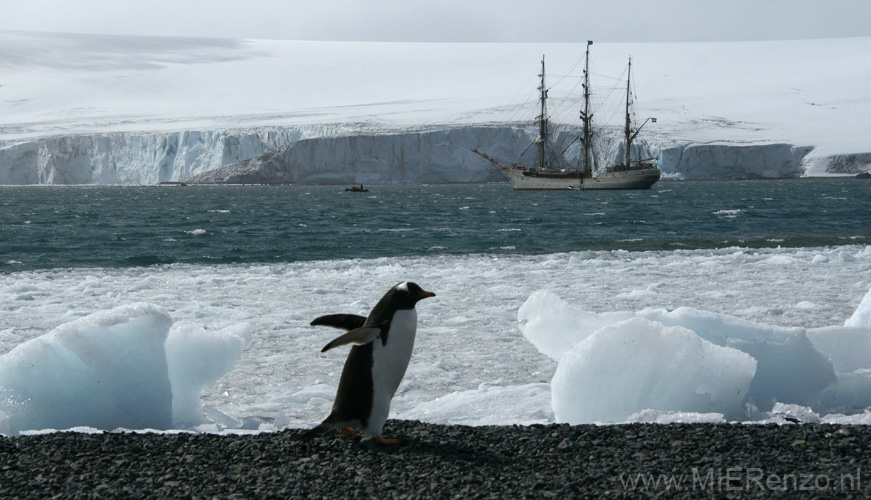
(436, 461)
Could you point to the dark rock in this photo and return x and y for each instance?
(554, 461)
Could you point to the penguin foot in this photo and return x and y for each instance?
(387, 441)
(317, 431)
(350, 432)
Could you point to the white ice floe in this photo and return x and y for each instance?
(639, 364)
(614, 365)
(862, 316)
(121, 368)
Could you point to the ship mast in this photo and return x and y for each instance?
(628, 117)
(586, 117)
(542, 119)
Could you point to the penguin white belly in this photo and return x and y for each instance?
(389, 364)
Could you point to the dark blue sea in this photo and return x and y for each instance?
(56, 227)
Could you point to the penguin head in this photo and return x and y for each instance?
(406, 294)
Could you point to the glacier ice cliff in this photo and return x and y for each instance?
(847, 164)
(726, 161)
(339, 155)
(133, 158)
(444, 156)
(433, 157)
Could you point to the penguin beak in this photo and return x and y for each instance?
(424, 294)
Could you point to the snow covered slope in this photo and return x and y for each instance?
(109, 109)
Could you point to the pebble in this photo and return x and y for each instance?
(437, 461)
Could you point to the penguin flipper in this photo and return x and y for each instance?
(358, 336)
(345, 322)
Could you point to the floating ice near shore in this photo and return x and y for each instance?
(614, 366)
(638, 364)
(127, 367)
(862, 316)
(88, 338)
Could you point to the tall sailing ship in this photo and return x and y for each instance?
(551, 171)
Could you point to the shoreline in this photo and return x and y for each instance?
(441, 461)
(667, 180)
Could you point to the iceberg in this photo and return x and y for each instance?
(639, 364)
(789, 367)
(862, 316)
(849, 348)
(106, 370)
(615, 366)
(197, 358)
(127, 367)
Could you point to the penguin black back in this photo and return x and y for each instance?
(376, 363)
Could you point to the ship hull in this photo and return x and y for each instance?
(642, 178)
(522, 179)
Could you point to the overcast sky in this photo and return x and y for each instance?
(449, 20)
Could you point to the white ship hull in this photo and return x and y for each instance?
(641, 178)
(523, 179)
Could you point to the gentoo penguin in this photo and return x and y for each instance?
(377, 361)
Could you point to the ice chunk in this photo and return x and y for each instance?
(789, 369)
(124, 368)
(489, 405)
(553, 326)
(852, 392)
(106, 370)
(674, 417)
(197, 358)
(640, 364)
(862, 316)
(841, 419)
(849, 348)
(793, 413)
